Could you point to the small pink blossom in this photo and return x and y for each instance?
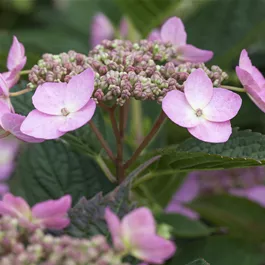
(252, 80)
(16, 61)
(173, 31)
(102, 29)
(61, 107)
(10, 122)
(136, 235)
(48, 214)
(205, 111)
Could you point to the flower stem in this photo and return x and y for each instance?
(24, 72)
(21, 92)
(147, 139)
(5, 134)
(137, 122)
(104, 144)
(105, 168)
(233, 88)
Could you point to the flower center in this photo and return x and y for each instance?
(64, 112)
(198, 112)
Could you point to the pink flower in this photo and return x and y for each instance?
(173, 31)
(136, 235)
(10, 122)
(102, 29)
(204, 110)
(252, 80)
(16, 60)
(49, 214)
(61, 107)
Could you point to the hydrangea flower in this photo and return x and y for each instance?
(102, 29)
(16, 61)
(48, 214)
(136, 234)
(10, 123)
(173, 31)
(205, 111)
(61, 107)
(252, 80)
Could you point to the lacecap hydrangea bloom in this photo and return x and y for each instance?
(205, 111)
(48, 214)
(173, 31)
(136, 235)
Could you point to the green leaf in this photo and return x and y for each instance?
(198, 262)
(50, 170)
(184, 227)
(147, 14)
(218, 250)
(239, 215)
(87, 216)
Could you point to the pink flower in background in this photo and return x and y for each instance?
(173, 31)
(252, 80)
(16, 61)
(10, 123)
(136, 234)
(49, 214)
(61, 107)
(205, 111)
(102, 29)
(8, 150)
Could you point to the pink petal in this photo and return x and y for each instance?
(5, 209)
(3, 110)
(11, 122)
(223, 106)
(49, 98)
(6, 170)
(42, 126)
(124, 28)
(198, 89)
(52, 208)
(17, 205)
(114, 227)
(77, 119)
(177, 207)
(101, 29)
(255, 92)
(79, 90)
(190, 53)
(11, 78)
(177, 108)
(152, 248)
(212, 132)
(57, 223)
(154, 35)
(140, 220)
(173, 31)
(16, 55)
(4, 89)
(3, 189)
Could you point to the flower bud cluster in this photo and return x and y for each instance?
(144, 70)
(32, 247)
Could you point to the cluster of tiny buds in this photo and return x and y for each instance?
(224, 180)
(20, 246)
(144, 70)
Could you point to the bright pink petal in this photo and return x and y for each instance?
(177, 108)
(52, 208)
(154, 35)
(140, 220)
(57, 223)
(49, 98)
(11, 122)
(4, 89)
(198, 89)
(77, 119)
(152, 248)
(190, 53)
(114, 226)
(16, 56)
(42, 126)
(101, 29)
(212, 132)
(18, 205)
(79, 90)
(173, 31)
(223, 106)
